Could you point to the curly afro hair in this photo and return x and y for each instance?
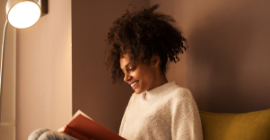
(142, 34)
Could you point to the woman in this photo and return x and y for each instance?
(140, 44)
(144, 41)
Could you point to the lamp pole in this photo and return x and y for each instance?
(1, 65)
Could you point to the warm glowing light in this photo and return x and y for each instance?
(24, 14)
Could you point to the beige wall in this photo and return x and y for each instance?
(44, 71)
(93, 91)
(227, 65)
(8, 109)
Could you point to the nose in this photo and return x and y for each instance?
(126, 77)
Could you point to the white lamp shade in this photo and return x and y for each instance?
(22, 13)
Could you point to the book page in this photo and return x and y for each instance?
(80, 112)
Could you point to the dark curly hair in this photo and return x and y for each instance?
(142, 34)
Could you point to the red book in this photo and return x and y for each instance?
(84, 128)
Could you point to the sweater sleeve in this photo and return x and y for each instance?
(124, 117)
(186, 122)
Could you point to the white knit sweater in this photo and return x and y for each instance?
(167, 112)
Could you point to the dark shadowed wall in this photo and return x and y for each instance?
(227, 64)
(93, 91)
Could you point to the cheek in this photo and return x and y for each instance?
(137, 74)
(145, 76)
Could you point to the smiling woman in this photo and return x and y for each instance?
(140, 44)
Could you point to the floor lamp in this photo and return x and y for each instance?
(20, 14)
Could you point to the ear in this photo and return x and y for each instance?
(155, 60)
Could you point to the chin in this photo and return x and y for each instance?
(138, 92)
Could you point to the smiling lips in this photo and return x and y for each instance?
(133, 84)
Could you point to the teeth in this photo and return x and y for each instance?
(133, 84)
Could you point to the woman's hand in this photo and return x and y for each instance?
(61, 130)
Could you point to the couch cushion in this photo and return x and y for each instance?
(242, 126)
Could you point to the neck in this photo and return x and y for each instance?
(163, 79)
(160, 80)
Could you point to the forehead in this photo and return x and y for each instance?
(124, 60)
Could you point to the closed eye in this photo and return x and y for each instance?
(132, 69)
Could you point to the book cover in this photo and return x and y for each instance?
(83, 127)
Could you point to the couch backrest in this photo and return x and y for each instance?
(242, 126)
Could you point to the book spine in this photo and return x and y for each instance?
(74, 134)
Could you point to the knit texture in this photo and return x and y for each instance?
(167, 112)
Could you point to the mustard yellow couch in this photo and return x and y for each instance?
(242, 126)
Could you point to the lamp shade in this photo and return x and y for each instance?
(22, 13)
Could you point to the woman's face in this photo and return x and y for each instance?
(139, 76)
